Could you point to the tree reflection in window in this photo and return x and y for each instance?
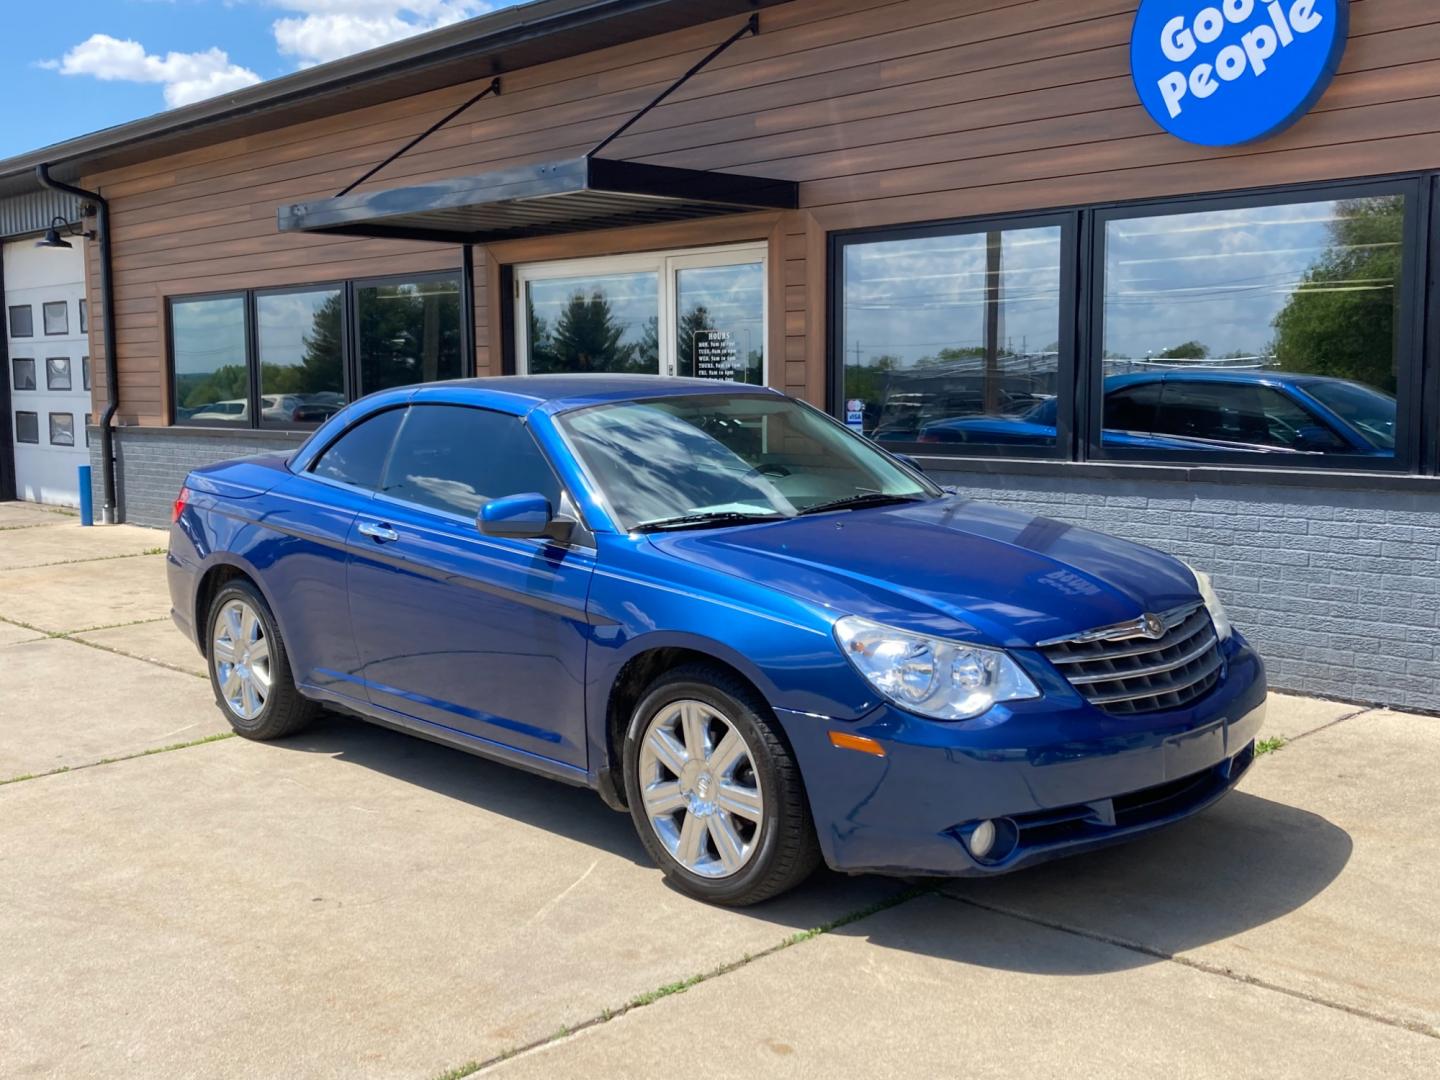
(409, 332)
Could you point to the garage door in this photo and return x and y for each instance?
(47, 324)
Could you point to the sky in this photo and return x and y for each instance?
(75, 66)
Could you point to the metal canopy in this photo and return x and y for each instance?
(575, 195)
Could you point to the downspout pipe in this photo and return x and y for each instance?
(107, 305)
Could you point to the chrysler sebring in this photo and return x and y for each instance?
(767, 639)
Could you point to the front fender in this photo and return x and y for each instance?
(642, 599)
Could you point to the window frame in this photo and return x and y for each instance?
(350, 359)
(69, 370)
(1417, 449)
(27, 442)
(254, 360)
(173, 405)
(1409, 333)
(355, 387)
(1069, 222)
(34, 386)
(51, 418)
(665, 264)
(10, 320)
(45, 306)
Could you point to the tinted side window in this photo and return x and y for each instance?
(453, 458)
(358, 456)
(1240, 413)
(1133, 409)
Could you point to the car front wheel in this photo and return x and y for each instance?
(714, 791)
(249, 668)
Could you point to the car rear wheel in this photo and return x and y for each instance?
(714, 791)
(249, 668)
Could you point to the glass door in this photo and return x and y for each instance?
(719, 318)
(694, 313)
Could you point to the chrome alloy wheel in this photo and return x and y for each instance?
(700, 790)
(241, 654)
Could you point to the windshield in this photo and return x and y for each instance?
(1369, 412)
(723, 458)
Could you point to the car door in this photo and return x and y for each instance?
(480, 635)
(310, 518)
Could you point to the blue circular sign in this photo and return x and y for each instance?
(1225, 72)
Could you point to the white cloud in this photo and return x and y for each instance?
(321, 30)
(187, 77)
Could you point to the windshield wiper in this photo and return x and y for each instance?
(859, 502)
(699, 521)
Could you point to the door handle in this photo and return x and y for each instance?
(381, 534)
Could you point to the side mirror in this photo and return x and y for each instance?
(523, 517)
(908, 460)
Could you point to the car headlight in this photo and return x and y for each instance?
(1223, 628)
(946, 680)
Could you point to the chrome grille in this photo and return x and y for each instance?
(1157, 662)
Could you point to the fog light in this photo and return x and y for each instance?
(982, 839)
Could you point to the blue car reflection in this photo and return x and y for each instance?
(1208, 409)
(768, 640)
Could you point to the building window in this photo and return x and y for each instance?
(84, 318)
(208, 349)
(1268, 331)
(57, 318)
(57, 373)
(1276, 329)
(22, 321)
(956, 337)
(290, 358)
(22, 373)
(27, 427)
(62, 429)
(698, 313)
(85, 371)
(408, 332)
(299, 340)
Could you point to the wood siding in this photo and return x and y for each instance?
(888, 111)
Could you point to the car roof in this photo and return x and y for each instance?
(559, 393)
(1214, 375)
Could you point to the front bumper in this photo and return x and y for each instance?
(1061, 776)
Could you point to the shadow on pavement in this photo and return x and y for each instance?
(1244, 863)
(537, 801)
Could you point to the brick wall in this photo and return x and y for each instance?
(151, 464)
(1339, 589)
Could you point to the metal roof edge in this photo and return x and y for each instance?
(510, 28)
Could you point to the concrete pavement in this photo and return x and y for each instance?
(357, 903)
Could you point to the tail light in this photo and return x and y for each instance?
(925, 436)
(179, 507)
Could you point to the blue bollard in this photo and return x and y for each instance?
(87, 501)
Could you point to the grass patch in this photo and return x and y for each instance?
(1270, 745)
(154, 551)
(219, 736)
(649, 997)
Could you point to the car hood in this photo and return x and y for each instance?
(952, 567)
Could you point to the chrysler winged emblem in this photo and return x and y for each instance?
(1153, 625)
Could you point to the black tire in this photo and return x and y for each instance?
(284, 711)
(785, 850)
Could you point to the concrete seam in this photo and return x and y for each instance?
(1332, 723)
(642, 1000)
(1414, 1026)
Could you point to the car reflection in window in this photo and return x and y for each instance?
(1237, 410)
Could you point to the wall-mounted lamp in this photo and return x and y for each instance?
(52, 237)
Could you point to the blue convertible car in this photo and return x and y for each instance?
(769, 640)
